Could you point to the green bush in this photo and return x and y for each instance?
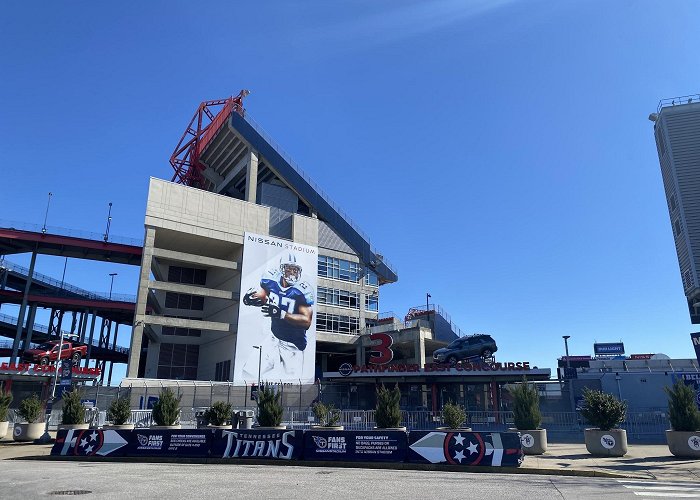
(166, 411)
(526, 406)
(31, 409)
(453, 415)
(219, 413)
(388, 412)
(5, 400)
(119, 411)
(682, 409)
(269, 406)
(327, 415)
(73, 410)
(603, 410)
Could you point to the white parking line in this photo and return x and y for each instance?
(662, 489)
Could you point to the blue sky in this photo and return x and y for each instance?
(498, 152)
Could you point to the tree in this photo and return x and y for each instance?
(388, 412)
(682, 408)
(526, 406)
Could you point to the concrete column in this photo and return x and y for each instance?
(141, 298)
(23, 309)
(30, 325)
(420, 348)
(251, 178)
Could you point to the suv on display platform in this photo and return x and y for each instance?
(47, 352)
(473, 346)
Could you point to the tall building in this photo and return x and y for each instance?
(239, 210)
(677, 134)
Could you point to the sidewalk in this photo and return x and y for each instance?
(648, 461)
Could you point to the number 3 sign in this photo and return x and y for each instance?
(381, 352)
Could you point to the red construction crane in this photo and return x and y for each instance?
(207, 120)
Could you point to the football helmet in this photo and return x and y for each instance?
(291, 271)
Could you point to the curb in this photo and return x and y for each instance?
(342, 465)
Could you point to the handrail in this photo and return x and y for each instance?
(116, 297)
(74, 233)
(673, 101)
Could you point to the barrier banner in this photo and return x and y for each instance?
(269, 444)
(137, 443)
(465, 448)
(356, 446)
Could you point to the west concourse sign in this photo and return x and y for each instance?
(37, 370)
(348, 370)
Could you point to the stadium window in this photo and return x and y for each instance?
(371, 278)
(335, 323)
(673, 203)
(184, 301)
(340, 298)
(339, 269)
(371, 303)
(178, 361)
(222, 371)
(187, 275)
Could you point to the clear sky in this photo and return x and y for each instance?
(498, 152)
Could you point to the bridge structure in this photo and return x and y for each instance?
(80, 315)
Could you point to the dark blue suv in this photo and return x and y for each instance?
(480, 345)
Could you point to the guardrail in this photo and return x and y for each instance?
(677, 101)
(62, 285)
(74, 233)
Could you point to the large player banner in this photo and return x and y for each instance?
(277, 312)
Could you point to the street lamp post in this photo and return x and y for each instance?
(259, 348)
(111, 284)
(46, 216)
(45, 438)
(567, 374)
(109, 222)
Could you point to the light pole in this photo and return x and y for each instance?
(45, 438)
(567, 374)
(111, 285)
(46, 216)
(259, 348)
(427, 308)
(109, 222)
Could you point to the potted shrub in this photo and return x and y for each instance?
(73, 416)
(5, 400)
(269, 408)
(166, 411)
(454, 417)
(219, 415)
(328, 417)
(30, 411)
(527, 418)
(684, 437)
(605, 412)
(119, 413)
(388, 412)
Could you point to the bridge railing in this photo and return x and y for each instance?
(73, 233)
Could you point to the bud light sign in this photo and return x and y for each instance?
(608, 349)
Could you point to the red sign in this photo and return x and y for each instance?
(641, 356)
(36, 369)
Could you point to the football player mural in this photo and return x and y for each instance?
(276, 311)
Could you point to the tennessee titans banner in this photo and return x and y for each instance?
(356, 446)
(267, 444)
(138, 443)
(276, 314)
(465, 448)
